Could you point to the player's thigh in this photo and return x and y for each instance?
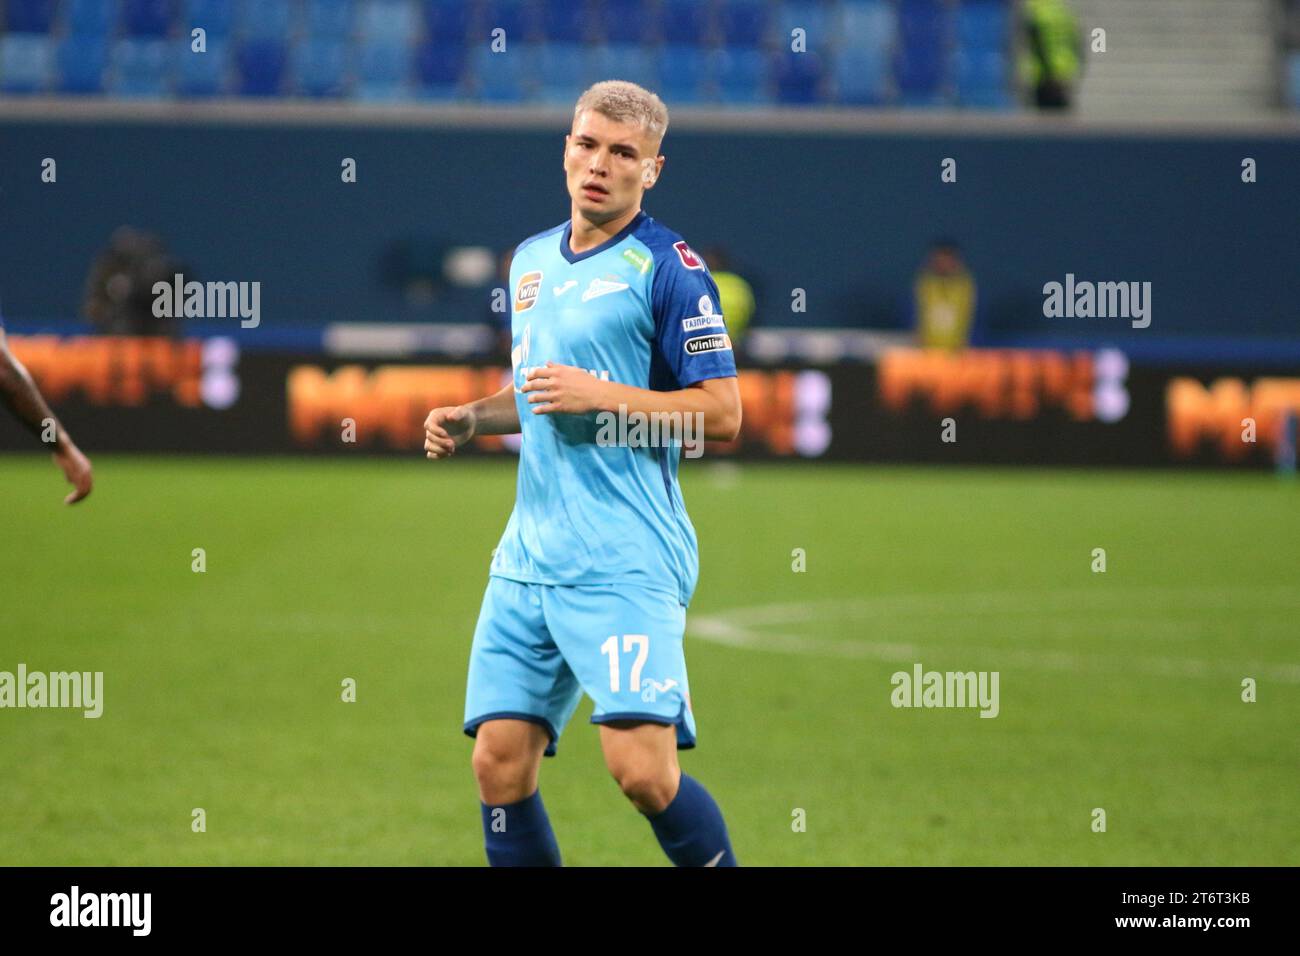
(636, 750)
(625, 646)
(516, 670)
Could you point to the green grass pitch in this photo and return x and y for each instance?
(1118, 690)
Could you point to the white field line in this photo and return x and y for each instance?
(747, 628)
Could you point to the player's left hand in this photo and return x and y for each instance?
(563, 388)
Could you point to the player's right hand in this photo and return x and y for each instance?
(76, 468)
(446, 429)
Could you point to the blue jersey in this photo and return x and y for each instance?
(640, 309)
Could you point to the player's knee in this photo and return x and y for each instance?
(651, 789)
(503, 768)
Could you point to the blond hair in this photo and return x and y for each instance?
(625, 102)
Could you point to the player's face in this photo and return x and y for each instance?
(608, 165)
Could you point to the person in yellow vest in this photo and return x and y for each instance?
(737, 296)
(1051, 62)
(944, 299)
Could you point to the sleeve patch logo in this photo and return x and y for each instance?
(641, 262)
(708, 343)
(530, 283)
(689, 259)
(702, 322)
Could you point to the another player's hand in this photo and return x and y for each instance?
(76, 468)
(563, 388)
(447, 428)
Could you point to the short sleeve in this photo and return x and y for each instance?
(690, 332)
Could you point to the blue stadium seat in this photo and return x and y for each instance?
(499, 76)
(146, 18)
(741, 76)
(320, 66)
(439, 69)
(329, 18)
(920, 77)
(25, 62)
(867, 25)
(383, 69)
(563, 71)
(202, 74)
(268, 20)
(91, 17)
(139, 67)
(216, 17)
(862, 76)
(626, 21)
(1293, 80)
(925, 32)
(261, 65)
(446, 21)
(983, 25)
(812, 16)
(683, 73)
(565, 21)
(28, 16)
(745, 23)
(623, 61)
(982, 78)
(389, 20)
(513, 16)
(686, 23)
(82, 60)
(799, 77)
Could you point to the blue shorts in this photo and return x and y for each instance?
(537, 647)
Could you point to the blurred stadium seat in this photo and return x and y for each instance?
(799, 78)
(90, 17)
(383, 69)
(29, 16)
(498, 78)
(741, 75)
(146, 18)
(319, 66)
(683, 73)
(389, 20)
(565, 21)
(744, 23)
(25, 62)
(139, 67)
(685, 22)
(201, 74)
(329, 19)
(439, 69)
(446, 21)
(267, 20)
(627, 61)
(216, 17)
(261, 67)
(82, 60)
(562, 68)
(626, 21)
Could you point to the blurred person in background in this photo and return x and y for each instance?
(1053, 47)
(944, 299)
(19, 394)
(119, 290)
(737, 295)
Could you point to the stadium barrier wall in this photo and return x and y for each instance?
(842, 208)
(1004, 406)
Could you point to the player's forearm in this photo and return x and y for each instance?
(21, 396)
(497, 414)
(720, 406)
